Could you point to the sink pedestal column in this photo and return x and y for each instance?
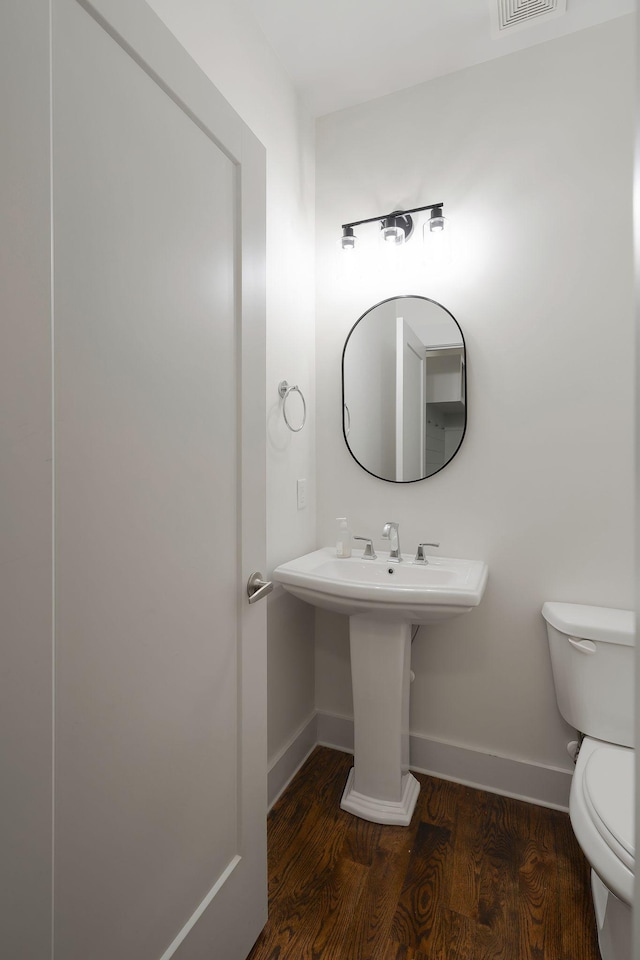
(380, 787)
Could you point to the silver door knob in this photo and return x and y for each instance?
(257, 588)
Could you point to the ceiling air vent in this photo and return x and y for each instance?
(508, 15)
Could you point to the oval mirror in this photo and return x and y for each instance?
(404, 389)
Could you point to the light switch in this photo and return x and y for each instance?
(302, 494)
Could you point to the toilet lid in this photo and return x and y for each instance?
(609, 790)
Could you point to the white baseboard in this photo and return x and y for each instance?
(335, 731)
(533, 782)
(286, 763)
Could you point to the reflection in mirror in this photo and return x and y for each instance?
(404, 389)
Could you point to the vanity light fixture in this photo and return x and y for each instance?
(395, 227)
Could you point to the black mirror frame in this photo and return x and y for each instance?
(404, 296)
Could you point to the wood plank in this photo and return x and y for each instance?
(496, 925)
(497, 910)
(416, 919)
(305, 866)
(439, 800)
(456, 942)
(539, 916)
(362, 840)
(459, 935)
(398, 951)
(336, 912)
(372, 923)
(312, 789)
(468, 853)
(321, 929)
(578, 934)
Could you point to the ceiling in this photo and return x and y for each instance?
(342, 52)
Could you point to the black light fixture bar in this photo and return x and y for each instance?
(395, 213)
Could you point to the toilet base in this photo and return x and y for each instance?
(613, 918)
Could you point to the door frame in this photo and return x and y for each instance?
(406, 335)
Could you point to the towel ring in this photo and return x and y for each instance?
(284, 390)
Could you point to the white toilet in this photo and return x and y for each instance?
(592, 656)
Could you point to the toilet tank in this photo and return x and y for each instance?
(592, 657)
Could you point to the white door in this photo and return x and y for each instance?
(410, 403)
(160, 755)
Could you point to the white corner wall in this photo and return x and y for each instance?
(26, 695)
(532, 156)
(224, 40)
(636, 245)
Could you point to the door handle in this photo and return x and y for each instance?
(257, 588)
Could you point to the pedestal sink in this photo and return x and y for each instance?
(383, 600)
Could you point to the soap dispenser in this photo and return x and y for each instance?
(343, 544)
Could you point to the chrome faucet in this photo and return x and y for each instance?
(390, 532)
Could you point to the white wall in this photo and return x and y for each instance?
(636, 231)
(224, 40)
(25, 468)
(531, 155)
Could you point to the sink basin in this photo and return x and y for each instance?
(382, 600)
(404, 592)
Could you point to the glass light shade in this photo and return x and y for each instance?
(437, 246)
(348, 239)
(392, 231)
(436, 220)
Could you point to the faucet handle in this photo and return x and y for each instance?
(369, 552)
(420, 557)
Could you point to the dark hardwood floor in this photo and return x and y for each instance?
(474, 877)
